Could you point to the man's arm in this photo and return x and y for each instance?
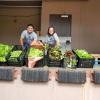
(22, 38)
(21, 41)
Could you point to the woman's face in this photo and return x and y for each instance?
(51, 30)
(30, 29)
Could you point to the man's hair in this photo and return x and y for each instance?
(30, 25)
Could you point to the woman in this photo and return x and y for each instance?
(52, 38)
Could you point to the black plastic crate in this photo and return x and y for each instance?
(84, 63)
(3, 63)
(19, 63)
(39, 63)
(20, 60)
(55, 63)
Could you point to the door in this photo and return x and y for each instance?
(61, 23)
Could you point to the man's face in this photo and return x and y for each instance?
(30, 29)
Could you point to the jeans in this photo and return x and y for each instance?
(26, 46)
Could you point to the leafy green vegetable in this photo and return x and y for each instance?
(83, 54)
(15, 55)
(13, 60)
(2, 59)
(4, 50)
(46, 46)
(55, 53)
(33, 52)
(74, 62)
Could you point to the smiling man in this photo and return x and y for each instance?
(28, 36)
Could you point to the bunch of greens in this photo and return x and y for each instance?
(33, 52)
(2, 59)
(83, 54)
(55, 53)
(4, 50)
(14, 55)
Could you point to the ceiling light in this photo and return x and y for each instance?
(64, 16)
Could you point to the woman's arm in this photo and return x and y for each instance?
(57, 39)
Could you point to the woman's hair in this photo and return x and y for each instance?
(53, 30)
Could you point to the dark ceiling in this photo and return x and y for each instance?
(20, 3)
(27, 2)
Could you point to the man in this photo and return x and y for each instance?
(28, 37)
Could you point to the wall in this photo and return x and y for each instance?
(90, 22)
(52, 90)
(11, 27)
(19, 90)
(85, 21)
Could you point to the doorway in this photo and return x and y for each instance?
(62, 24)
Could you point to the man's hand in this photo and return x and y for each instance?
(33, 43)
(37, 44)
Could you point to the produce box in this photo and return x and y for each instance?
(16, 56)
(4, 52)
(55, 63)
(32, 53)
(85, 60)
(55, 57)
